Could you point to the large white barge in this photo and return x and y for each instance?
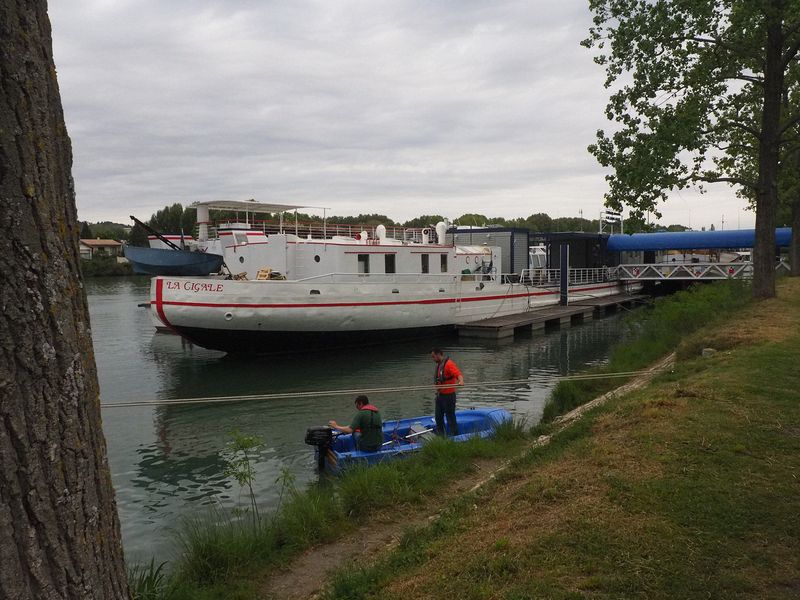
(291, 293)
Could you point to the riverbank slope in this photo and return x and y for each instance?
(689, 487)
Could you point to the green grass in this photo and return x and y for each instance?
(221, 554)
(654, 332)
(685, 489)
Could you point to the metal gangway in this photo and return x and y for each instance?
(711, 271)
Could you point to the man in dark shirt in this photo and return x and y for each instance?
(367, 423)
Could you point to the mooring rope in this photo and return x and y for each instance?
(342, 392)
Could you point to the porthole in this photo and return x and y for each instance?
(241, 259)
(314, 292)
(316, 258)
(228, 316)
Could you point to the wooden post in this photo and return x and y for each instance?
(564, 274)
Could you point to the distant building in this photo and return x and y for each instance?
(93, 248)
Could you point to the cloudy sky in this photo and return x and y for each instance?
(401, 108)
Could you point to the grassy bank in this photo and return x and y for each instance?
(687, 488)
(655, 332)
(221, 555)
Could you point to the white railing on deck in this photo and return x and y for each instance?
(318, 231)
(400, 277)
(382, 278)
(552, 277)
(581, 276)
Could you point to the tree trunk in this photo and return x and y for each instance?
(59, 530)
(767, 194)
(794, 248)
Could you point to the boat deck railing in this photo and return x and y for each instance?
(552, 277)
(318, 231)
(383, 278)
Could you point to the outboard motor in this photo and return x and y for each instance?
(322, 438)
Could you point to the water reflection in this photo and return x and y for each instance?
(168, 462)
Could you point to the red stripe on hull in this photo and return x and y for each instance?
(161, 302)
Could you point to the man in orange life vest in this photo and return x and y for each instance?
(367, 423)
(446, 377)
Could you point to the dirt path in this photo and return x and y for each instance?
(305, 576)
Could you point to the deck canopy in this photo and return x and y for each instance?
(692, 240)
(252, 206)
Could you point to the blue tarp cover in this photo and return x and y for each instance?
(692, 240)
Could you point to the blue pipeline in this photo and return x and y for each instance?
(692, 240)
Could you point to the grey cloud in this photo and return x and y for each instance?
(362, 106)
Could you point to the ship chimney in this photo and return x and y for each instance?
(202, 222)
(441, 233)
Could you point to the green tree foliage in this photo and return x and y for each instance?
(138, 236)
(171, 219)
(371, 220)
(107, 230)
(478, 220)
(424, 221)
(539, 222)
(86, 232)
(699, 97)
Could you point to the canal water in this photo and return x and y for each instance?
(168, 462)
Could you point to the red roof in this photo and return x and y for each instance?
(100, 243)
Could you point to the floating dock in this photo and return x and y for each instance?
(578, 311)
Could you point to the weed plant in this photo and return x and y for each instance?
(147, 582)
(219, 551)
(654, 332)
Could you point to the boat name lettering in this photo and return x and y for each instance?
(194, 286)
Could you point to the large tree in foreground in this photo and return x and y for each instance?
(699, 97)
(59, 531)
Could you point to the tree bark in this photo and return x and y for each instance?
(768, 158)
(59, 530)
(794, 248)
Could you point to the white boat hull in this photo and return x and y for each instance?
(283, 316)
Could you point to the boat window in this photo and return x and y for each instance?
(316, 258)
(390, 263)
(425, 263)
(241, 238)
(363, 263)
(444, 263)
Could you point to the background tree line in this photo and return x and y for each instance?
(176, 218)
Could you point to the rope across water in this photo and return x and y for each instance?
(342, 392)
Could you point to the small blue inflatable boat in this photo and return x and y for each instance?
(401, 438)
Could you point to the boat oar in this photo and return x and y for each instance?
(409, 436)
